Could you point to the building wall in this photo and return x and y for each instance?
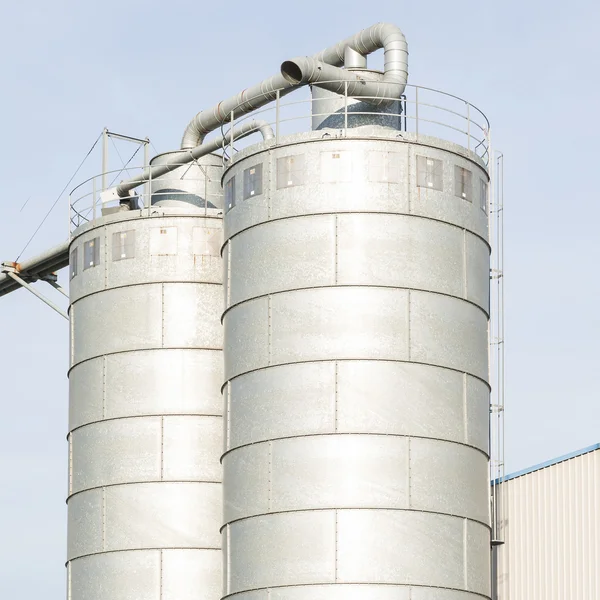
(552, 532)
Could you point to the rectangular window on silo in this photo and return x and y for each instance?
(123, 245)
(483, 195)
(253, 181)
(290, 171)
(73, 270)
(336, 167)
(230, 194)
(463, 183)
(384, 166)
(430, 173)
(91, 253)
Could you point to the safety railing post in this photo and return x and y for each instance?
(146, 166)
(277, 108)
(104, 157)
(345, 109)
(231, 137)
(150, 191)
(468, 126)
(417, 112)
(70, 209)
(94, 198)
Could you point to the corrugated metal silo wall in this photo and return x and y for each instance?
(356, 369)
(145, 432)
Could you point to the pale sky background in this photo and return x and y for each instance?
(70, 67)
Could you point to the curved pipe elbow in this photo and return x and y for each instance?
(307, 70)
(382, 35)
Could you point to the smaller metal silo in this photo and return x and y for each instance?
(145, 431)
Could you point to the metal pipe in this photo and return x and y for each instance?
(104, 157)
(44, 264)
(354, 59)
(245, 102)
(306, 70)
(383, 35)
(184, 157)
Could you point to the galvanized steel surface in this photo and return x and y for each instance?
(552, 528)
(356, 368)
(196, 183)
(145, 431)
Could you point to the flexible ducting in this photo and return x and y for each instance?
(383, 35)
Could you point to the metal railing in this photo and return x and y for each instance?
(421, 111)
(89, 201)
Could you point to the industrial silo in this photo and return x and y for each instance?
(355, 384)
(356, 350)
(145, 431)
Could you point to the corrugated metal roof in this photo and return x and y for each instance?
(551, 462)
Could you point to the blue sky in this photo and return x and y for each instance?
(145, 68)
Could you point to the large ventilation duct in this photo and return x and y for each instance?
(383, 35)
(307, 70)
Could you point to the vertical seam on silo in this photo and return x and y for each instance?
(103, 519)
(336, 541)
(335, 397)
(269, 328)
(465, 554)
(464, 265)
(408, 324)
(465, 410)
(409, 491)
(336, 266)
(160, 574)
(104, 361)
(270, 470)
(162, 447)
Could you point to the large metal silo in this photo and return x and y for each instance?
(145, 432)
(356, 369)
